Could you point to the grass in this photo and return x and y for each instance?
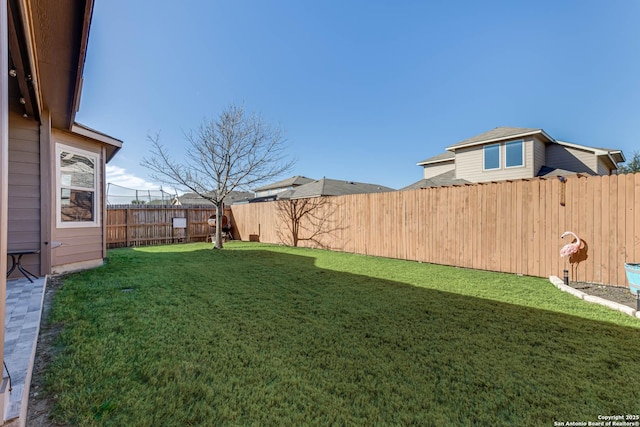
(266, 335)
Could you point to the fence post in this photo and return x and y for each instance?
(126, 227)
(186, 230)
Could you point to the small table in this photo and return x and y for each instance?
(17, 262)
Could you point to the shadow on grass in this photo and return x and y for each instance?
(248, 335)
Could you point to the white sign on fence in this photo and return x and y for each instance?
(179, 222)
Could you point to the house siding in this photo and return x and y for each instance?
(539, 150)
(433, 170)
(80, 245)
(470, 164)
(24, 190)
(603, 168)
(562, 157)
(272, 191)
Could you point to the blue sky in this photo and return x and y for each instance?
(364, 89)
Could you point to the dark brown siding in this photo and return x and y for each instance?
(24, 189)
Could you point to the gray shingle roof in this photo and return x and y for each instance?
(232, 197)
(447, 155)
(442, 180)
(546, 171)
(498, 134)
(293, 181)
(331, 187)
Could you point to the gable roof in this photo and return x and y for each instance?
(440, 158)
(442, 180)
(293, 181)
(499, 134)
(331, 187)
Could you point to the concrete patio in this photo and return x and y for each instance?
(22, 325)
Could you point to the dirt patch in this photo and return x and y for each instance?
(41, 403)
(611, 293)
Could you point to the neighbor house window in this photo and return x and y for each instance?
(514, 154)
(492, 156)
(77, 187)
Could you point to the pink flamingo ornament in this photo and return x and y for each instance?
(570, 248)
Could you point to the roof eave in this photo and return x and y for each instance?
(620, 154)
(596, 151)
(75, 107)
(112, 144)
(59, 34)
(503, 138)
(434, 162)
(21, 43)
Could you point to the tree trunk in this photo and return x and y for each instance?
(294, 231)
(219, 209)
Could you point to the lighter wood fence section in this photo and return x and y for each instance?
(510, 226)
(134, 225)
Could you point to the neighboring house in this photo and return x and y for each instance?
(266, 192)
(514, 153)
(331, 187)
(231, 198)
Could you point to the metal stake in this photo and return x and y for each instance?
(566, 277)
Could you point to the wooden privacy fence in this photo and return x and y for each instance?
(141, 225)
(510, 226)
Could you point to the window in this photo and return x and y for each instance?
(77, 187)
(492, 156)
(514, 154)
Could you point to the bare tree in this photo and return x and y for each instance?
(306, 220)
(235, 151)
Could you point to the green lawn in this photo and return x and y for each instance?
(265, 335)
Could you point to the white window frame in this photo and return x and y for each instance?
(97, 201)
(484, 160)
(506, 166)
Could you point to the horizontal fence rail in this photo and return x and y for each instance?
(509, 226)
(142, 225)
